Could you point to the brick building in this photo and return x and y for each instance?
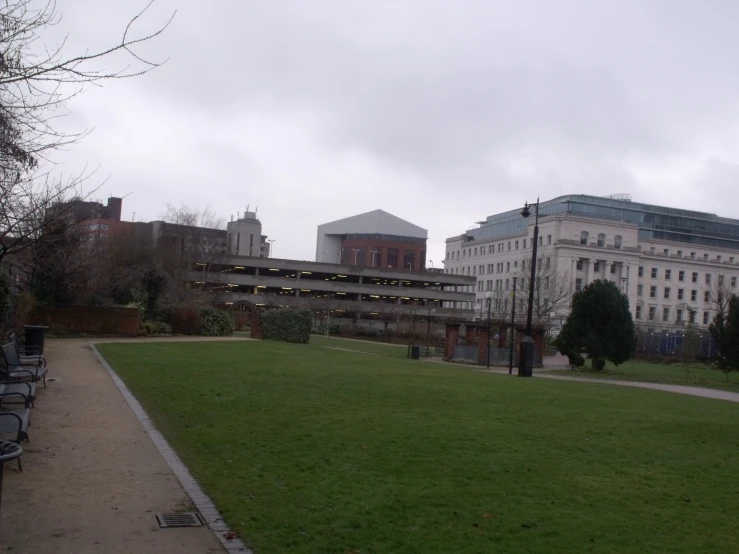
(373, 239)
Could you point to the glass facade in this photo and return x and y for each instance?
(655, 222)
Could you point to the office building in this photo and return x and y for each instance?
(674, 265)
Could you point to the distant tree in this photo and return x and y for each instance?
(185, 215)
(599, 324)
(725, 331)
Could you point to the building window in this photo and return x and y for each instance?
(547, 264)
(509, 246)
(584, 238)
(508, 267)
(731, 260)
(693, 295)
(692, 255)
(651, 249)
(733, 282)
(596, 267)
(679, 253)
(667, 293)
(680, 293)
(524, 244)
(654, 273)
(653, 292)
(638, 312)
(479, 286)
(708, 278)
(665, 314)
(681, 276)
(652, 312)
(668, 274)
(578, 285)
(695, 277)
(718, 258)
(579, 265)
(641, 271)
(549, 239)
(705, 257)
(720, 280)
(541, 241)
(516, 245)
(474, 270)
(392, 257)
(475, 251)
(613, 269)
(506, 284)
(617, 241)
(601, 239)
(666, 251)
(679, 317)
(691, 316)
(639, 290)
(707, 296)
(706, 317)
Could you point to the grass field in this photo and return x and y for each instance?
(634, 370)
(310, 450)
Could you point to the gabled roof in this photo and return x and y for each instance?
(374, 222)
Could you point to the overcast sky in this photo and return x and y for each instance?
(440, 112)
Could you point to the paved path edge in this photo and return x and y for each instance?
(202, 502)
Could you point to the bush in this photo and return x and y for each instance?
(186, 319)
(160, 328)
(215, 323)
(334, 329)
(578, 360)
(145, 328)
(287, 325)
(599, 364)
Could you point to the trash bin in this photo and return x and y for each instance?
(415, 352)
(35, 336)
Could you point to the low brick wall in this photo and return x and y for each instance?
(92, 320)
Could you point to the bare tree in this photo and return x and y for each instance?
(185, 215)
(35, 84)
(721, 293)
(553, 288)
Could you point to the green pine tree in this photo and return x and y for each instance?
(599, 325)
(725, 331)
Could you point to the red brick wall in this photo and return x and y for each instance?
(93, 320)
(369, 245)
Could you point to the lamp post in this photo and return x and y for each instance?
(526, 353)
(373, 257)
(432, 312)
(271, 247)
(489, 296)
(356, 253)
(513, 324)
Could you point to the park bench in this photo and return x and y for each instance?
(16, 370)
(14, 423)
(28, 354)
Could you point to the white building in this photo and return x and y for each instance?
(672, 264)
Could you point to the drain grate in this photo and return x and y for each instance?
(183, 519)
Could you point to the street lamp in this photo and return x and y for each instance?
(356, 253)
(526, 352)
(489, 296)
(513, 324)
(271, 247)
(373, 257)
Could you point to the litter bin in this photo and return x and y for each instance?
(415, 352)
(35, 336)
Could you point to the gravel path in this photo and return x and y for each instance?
(678, 389)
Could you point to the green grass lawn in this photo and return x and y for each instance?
(688, 374)
(310, 450)
(366, 347)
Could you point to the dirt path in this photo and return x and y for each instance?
(92, 478)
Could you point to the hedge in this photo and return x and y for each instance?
(215, 323)
(286, 325)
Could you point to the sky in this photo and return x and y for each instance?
(439, 112)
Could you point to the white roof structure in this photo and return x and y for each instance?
(376, 222)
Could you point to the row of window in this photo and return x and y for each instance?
(654, 274)
(500, 267)
(692, 256)
(585, 239)
(666, 313)
(493, 248)
(596, 267)
(502, 284)
(667, 291)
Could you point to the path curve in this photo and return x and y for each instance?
(715, 394)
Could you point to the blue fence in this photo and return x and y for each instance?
(676, 344)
